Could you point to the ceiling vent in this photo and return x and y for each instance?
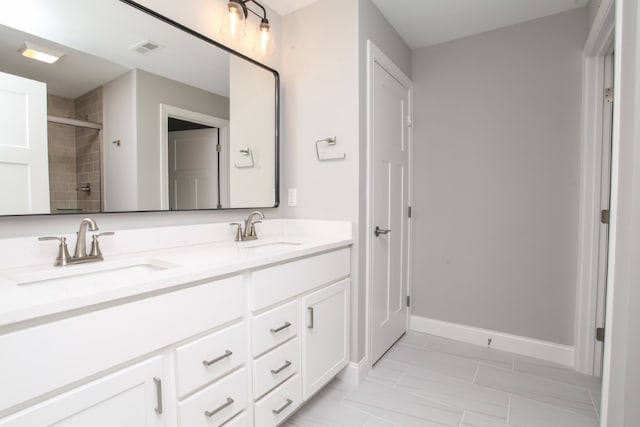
(146, 47)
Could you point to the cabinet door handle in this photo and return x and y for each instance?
(226, 354)
(378, 231)
(281, 368)
(310, 326)
(210, 414)
(283, 407)
(158, 383)
(281, 328)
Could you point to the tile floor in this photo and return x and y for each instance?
(428, 381)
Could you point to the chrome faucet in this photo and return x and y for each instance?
(249, 232)
(80, 253)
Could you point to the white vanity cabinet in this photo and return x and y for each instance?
(300, 331)
(241, 350)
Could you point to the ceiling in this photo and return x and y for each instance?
(423, 23)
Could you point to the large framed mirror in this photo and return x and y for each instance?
(138, 113)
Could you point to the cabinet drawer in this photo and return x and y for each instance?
(240, 420)
(275, 366)
(274, 284)
(279, 404)
(43, 358)
(274, 327)
(217, 403)
(208, 358)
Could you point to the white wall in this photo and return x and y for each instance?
(320, 100)
(204, 16)
(324, 95)
(621, 381)
(120, 160)
(497, 148)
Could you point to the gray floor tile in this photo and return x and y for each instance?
(327, 409)
(556, 372)
(475, 420)
(486, 355)
(377, 422)
(530, 413)
(566, 396)
(444, 363)
(415, 339)
(455, 392)
(388, 371)
(405, 409)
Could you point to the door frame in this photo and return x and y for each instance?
(167, 111)
(600, 43)
(375, 55)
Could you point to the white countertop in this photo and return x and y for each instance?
(165, 258)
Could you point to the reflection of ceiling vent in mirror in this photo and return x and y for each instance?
(145, 47)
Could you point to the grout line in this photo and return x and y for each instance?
(462, 419)
(513, 362)
(595, 408)
(509, 410)
(475, 376)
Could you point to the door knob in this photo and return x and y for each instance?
(378, 231)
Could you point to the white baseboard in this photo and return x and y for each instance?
(354, 373)
(552, 352)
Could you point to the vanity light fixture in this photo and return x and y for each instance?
(235, 26)
(39, 53)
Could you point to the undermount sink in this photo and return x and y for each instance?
(94, 274)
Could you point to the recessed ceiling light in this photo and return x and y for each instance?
(39, 53)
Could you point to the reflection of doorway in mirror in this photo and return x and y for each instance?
(193, 168)
(194, 161)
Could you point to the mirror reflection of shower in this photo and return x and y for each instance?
(75, 152)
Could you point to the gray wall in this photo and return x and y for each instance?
(496, 169)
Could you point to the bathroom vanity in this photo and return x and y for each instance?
(179, 326)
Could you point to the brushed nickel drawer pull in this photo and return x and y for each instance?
(310, 326)
(281, 328)
(217, 359)
(158, 383)
(281, 368)
(283, 407)
(210, 414)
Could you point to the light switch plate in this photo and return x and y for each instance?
(292, 198)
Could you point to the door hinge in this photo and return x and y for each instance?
(408, 301)
(409, 211)
(608, 95)
(219, 148)
(604, 216)
(600, 334)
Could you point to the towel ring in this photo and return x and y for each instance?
(246, 152)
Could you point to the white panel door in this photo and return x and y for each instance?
(390, 193)
(193, 169)
(23, 146)
(131, 397)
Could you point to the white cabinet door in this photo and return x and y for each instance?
(326, 335)
(131, 397)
